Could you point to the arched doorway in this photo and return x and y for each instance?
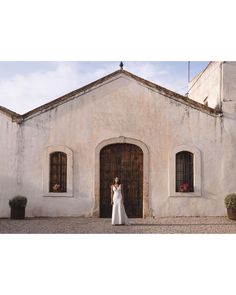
(124, 160)
(95, 210)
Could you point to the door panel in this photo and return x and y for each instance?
(125, 161)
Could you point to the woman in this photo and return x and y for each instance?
(118, 210)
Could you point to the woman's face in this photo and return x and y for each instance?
(116, 179)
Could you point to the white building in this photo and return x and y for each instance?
(175, 156)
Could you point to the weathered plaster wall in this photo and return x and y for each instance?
(229, 77)
(229, 87)
(207, 85)
(220, 86)
(8, 162)
(123, 107)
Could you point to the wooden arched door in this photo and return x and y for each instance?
(125, 161)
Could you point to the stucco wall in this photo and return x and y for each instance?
(229, 78)
(123, 107)
(207, 85)
(8, 162)
(229, 87)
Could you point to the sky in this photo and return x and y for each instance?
(27, 85)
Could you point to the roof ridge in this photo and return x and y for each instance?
(65, 97)
(171, 93)
(71, 95)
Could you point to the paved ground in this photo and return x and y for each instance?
(99, 225)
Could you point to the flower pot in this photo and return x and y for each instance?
(231, 213)
(18, 213)
(183, 191)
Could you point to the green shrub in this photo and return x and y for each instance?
(18, 202)
(230, 201)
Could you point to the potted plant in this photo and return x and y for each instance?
(230, 203)
(56, 187)
(17, 205)
(184, 188)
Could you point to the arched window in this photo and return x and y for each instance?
(58, 172)
(184, 172)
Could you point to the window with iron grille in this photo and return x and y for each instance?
(184, 172)
(58, 172)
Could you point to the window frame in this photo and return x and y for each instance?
(197, 187)
(56, 160)
(186, 161)
(46, 171)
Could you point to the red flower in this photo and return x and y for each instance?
(56, 187)
(184, 187)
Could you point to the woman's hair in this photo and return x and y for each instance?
(113, 182)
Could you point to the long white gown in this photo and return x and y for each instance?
(118, 210)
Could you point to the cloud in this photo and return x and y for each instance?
(24, 92)
(157, 72)
(147, 70)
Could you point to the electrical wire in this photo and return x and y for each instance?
(202, 74)
(181, 88)
(195, 81)
(205, 79)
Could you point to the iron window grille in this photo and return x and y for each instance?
(184, 172)
(58, 172)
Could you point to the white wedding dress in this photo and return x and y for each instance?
(118, 210)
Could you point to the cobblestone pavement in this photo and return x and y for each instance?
(73, 225)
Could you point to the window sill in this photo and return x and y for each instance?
(183, 195)
(67, 195)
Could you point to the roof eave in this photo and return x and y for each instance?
(14, 116)
(69, 96)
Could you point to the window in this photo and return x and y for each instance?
(184, 172)
(58, 172)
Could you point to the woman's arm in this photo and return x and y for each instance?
(111, 195)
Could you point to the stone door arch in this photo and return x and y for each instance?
(122, 139)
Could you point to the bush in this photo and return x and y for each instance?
(18, 202)
(230, 201)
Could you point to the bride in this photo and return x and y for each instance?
(118, 210)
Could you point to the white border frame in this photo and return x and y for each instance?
(196, 172)
(69, 153)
